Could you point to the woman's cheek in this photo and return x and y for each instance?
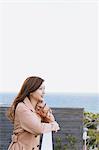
(38, 96)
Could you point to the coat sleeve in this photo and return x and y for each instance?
(29, 121)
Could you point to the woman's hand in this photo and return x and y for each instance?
(41, 108)
(55, 126)
(44, 111)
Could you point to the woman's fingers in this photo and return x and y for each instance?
(55, 126)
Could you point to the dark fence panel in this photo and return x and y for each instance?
(71, 129)
(71, 124)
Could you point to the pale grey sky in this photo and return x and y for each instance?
(56, 40)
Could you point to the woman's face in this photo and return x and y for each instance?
(39, 93)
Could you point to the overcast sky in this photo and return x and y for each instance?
(54, 40)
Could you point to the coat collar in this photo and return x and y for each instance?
(28, 104)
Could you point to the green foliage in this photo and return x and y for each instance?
(58, 143)
(70, 143)
(91, 121)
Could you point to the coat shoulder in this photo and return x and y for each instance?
(21, 107)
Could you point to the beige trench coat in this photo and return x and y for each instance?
(27, 128)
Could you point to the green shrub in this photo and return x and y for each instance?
(91, 121)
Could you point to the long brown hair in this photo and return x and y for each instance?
(31, 84)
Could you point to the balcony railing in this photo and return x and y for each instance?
(47, 141)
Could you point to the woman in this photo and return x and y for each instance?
(30, 115)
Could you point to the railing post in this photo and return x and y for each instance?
(47, 143)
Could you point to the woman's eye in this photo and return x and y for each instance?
(42, 88)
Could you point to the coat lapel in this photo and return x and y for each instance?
(28, 104)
